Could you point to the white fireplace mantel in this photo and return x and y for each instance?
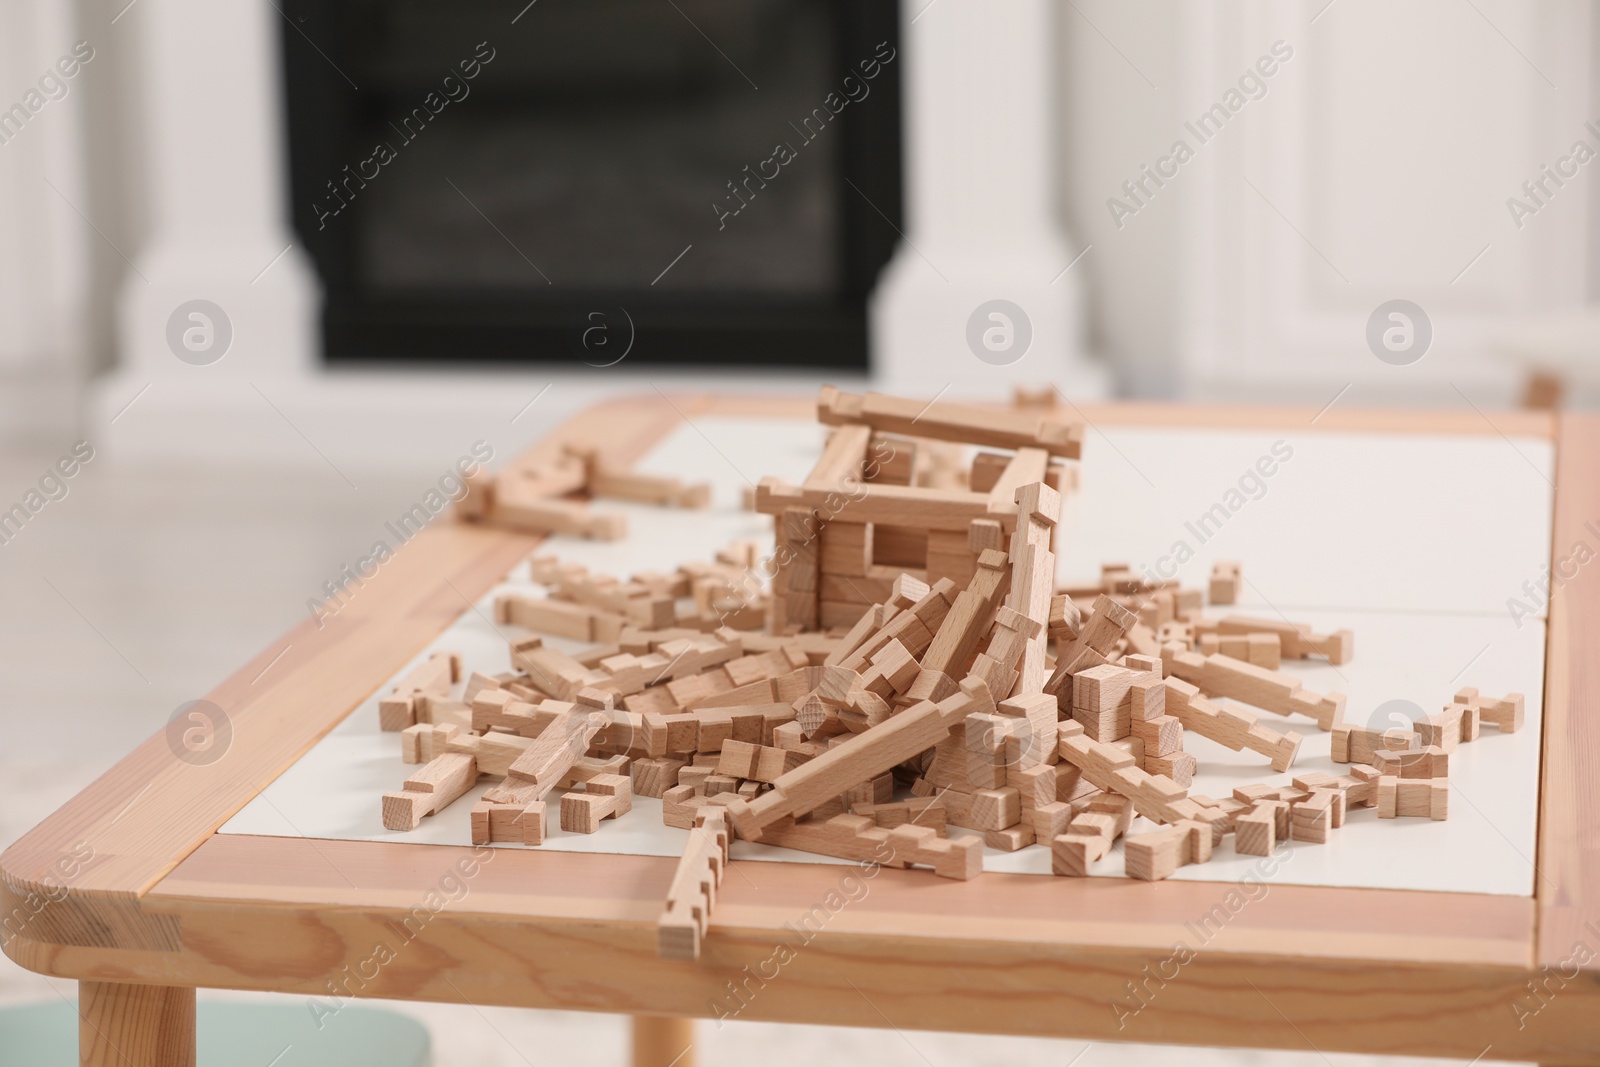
(981, 81)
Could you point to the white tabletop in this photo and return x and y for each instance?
(1416, 542)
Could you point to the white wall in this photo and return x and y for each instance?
(1376, 166)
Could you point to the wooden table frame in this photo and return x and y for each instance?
(129, 889)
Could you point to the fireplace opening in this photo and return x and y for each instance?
(705, 182)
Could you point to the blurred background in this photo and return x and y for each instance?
(272, 264)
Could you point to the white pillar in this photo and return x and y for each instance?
(982, 137)
(44, 261)
(214, 151)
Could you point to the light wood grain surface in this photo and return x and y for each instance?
(1568, 868)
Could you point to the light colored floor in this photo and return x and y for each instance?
(142, 589)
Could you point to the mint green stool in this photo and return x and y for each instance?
(236, 1035)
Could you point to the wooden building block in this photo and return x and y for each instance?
(654, 776)
(1254, 833)
(429, 790)
(604, 797)
(854, 837)
(434, 675)
(1358, 744)
(1219, 675)
(1048, 821)
(1228, 726)
(1162, 736)
(871, 753)
(946, 421)
(686, 913)
(1147, 696)
(495, 822)
(1179, 766)
(551, 670)
(1428, 762)
(994, 809)
(738, 759)
(557, 748)
(1156, 855)
(1011, 839)
(1504, 713)
(984, 534)
(1311, 819)
(1034, 736)
(1109, 768)
(1441, 730)
(1072, 854)
(1420, 798)
(1225, 579)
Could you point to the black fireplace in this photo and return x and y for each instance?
(705, 182)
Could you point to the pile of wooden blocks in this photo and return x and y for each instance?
(963, 690)
(545, 493)
(599, 608)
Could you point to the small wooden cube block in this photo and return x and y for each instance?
(581, 813)
(1011, 839)
(1147, 698)
(533, 823)
(995, 809)
(1441, 730)
(1224, 585)
(396, 713)
(1154, 856)
(1264, 650)
(1162, 736)
(1105, 824)
(1036, 785)
(1280, 816)
(653, 777)
(1416, 798)
(1198, 841)
(1429, 762)
(1071, 854)
(1048, 821)
(411, 742)
(1504, 713)
(1108, 725)
(1255, 833)
(1179, 766)
(1311, 819)
(721, 783)
(1102, 688)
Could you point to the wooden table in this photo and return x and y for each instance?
(129, 889)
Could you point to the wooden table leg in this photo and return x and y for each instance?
(663, 1041)
(123, 1025)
